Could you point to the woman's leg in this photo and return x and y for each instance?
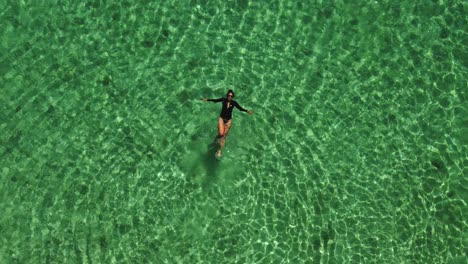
(220, 129)
(223, 140)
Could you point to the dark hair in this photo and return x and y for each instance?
(231, 91)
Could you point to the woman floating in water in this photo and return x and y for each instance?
(224, 120)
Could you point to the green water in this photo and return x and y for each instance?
(356, 152)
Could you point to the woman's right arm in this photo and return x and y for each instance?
(213, 100)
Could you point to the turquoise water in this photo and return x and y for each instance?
(356, 152)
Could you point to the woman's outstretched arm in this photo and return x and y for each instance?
(213, 100)
(242, 109)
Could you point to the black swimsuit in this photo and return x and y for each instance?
(226, 113)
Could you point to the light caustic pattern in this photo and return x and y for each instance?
(356, 152)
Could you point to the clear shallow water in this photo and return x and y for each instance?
(356, 152)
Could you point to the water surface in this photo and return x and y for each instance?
(356, 152)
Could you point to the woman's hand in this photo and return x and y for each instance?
(250, 112)
(204, 99)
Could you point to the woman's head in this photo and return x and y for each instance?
(230, 94)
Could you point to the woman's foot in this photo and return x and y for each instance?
(218, 154)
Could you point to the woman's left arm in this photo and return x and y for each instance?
(242, 109)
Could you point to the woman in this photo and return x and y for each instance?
(224, 120)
